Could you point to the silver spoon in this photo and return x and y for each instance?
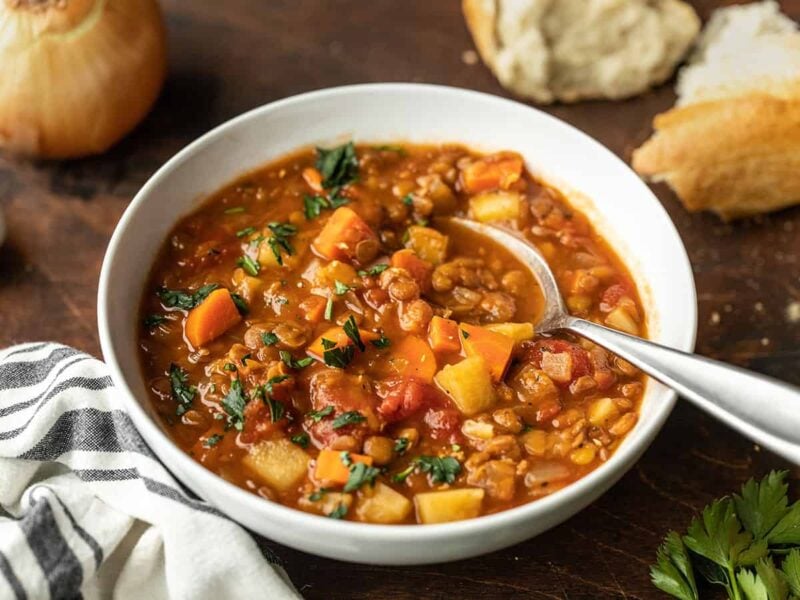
(764, 409)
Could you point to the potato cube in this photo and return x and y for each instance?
(621, 319)
(382, 504)
(469, 385)
(449, 505)
(519, 332)
(602, 411)
(495, 206)
(279, 463)
(429, 244)
(334, 271)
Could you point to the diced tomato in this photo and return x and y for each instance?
(581, 365)
(612, 296)
(402, 398)
(345, 393)
(444, 423)
(548, 410)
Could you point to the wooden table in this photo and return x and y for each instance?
(229, 57)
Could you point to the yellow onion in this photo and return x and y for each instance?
(77, 75)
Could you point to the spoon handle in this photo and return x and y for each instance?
(764, 409)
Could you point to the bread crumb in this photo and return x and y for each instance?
(793, 311)
(765, 341)
(469, 57)
(759, 307)
(715, 318)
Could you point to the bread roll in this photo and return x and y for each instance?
(731, 145)
(571, 50)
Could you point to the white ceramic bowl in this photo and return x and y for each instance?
(592, 177)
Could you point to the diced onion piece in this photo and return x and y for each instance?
(602, 411)
(557, 366)
(477, 429)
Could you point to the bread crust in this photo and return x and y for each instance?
(480, 16)
(735, 157)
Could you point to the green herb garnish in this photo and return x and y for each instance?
(401, 445)
(360, 474)
(154, 320)
(276, 409)
(185, 300)
(329, 309)
(313, 206)
(464, 334)
(294, 363)
(269, 338)
(229, 367)
(381, 342)
(318, 415)
(234, 210)
(301, 439)
(737, 543)
(350, 417)
(234, 403)
(337, 357)
(318, 495)
(339, 512)
(338, 166)
(246, 231)
(373, 270)
(212, 440)
(340, 289)
(351, 330)
(279, 240)
(408, 200)
(250, 265)
(441, 469)
(241, 303)
(182, 392)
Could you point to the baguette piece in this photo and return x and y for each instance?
(570, 50)
(731, 145)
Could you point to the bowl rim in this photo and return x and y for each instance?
(169, 453)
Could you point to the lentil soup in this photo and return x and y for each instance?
(317, 334)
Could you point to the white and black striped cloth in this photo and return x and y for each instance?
(87, 511)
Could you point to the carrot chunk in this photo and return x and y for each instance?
(413, 357)
(494, 348)
(331, 468)
(420, 270)
(341, 234)
(497, 171)
(443, 335)
(211, 318)
(338, 337)
(313, 178)
(313, 308)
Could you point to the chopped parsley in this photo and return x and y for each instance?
(373, 270)
(329, 309)
(408, 200)
(318, 415)
(340, 288)
(245, 232)
(276, 409)
(381, 342)
(337, 357)
(279, 240)
(351, 330)
(212, 440)
(339, 512)
(182, 392)
(318, 495)
(351, 417)
(250, 265)
(244, 359)
(269, 338)
(241, 303)
(294, 363)
(185, 300)
(338, 166)
(154, 320)
(313, 206)
(401, 445)
(234, 210)
(234, 403)
(441, 469)
(464, 334)
(229, 367)
(301, 439)
(360, 474)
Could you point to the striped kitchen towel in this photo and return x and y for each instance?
(86, 510)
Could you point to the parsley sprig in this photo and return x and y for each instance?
(234, 403)
(185, 300)
(440, 469)
(338, 166)
(182, 392)
(749, 544)
(279, 240)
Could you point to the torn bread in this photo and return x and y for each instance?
(571, 50)
(731, 145)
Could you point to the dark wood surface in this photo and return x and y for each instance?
(229, 57)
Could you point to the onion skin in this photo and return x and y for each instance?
(77, 75)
